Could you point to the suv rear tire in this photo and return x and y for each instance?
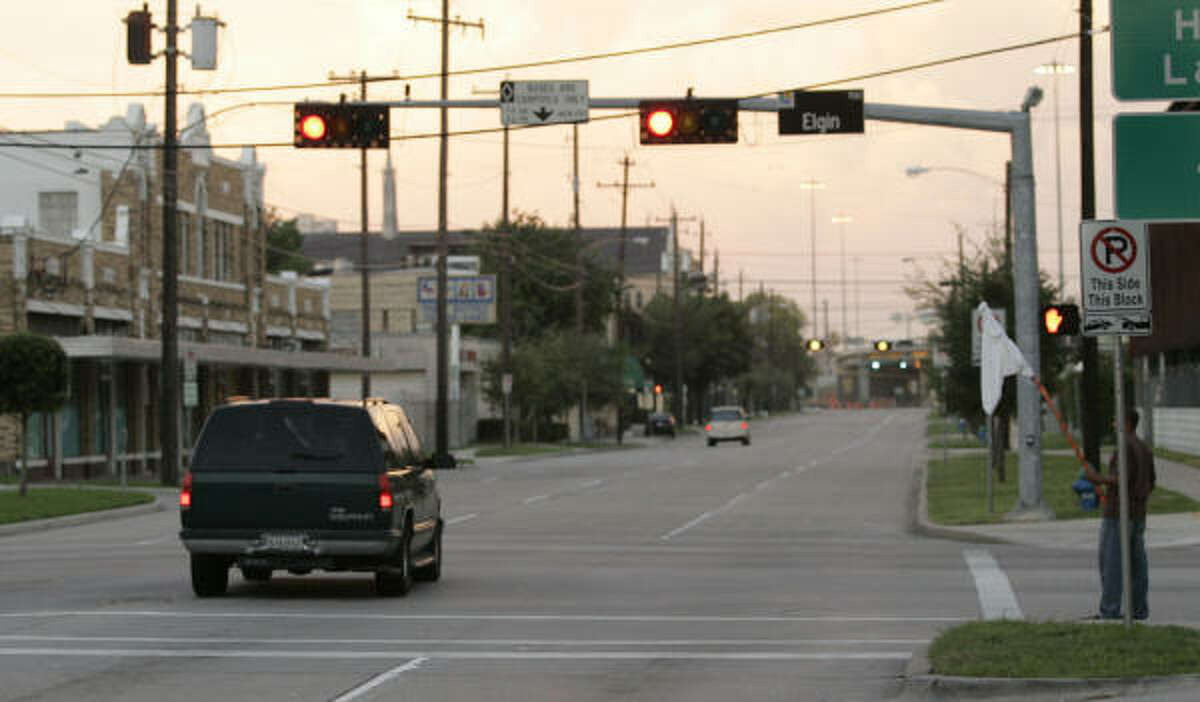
(210, 575)
(432, 572)
(397, 580)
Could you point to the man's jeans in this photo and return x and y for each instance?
(1110, 568)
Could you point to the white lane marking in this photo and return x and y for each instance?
(379, 680)
(461, 518)
(490, 480)
(763, 485)
(536, 498)
(707, 515)
(151, 542)
(460, 655)
(592, 483)
(996, 597)
(469, 642)
(251, 614)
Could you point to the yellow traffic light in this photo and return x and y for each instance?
(883, 345)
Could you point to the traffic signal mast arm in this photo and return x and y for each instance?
(744, 104)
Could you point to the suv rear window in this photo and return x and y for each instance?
(302, 437)
(726, 416)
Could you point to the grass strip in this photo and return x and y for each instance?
(46, 502)
(1019, 649)
(957, 491)
(1178, 457)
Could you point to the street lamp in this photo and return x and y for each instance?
(813, 186)
(1056, 69)
(914, 171)
(842, 220)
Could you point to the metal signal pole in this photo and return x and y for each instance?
(169, 366)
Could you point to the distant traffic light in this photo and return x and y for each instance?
(689, 121)
(814, 344)
(340, 125)
(883, 345)
(137, 36)
(1061, 319)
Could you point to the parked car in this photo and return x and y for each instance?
(660, 423)
(727, 423)
(303, 485)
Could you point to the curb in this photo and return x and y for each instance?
(83, 518)
(921, 524)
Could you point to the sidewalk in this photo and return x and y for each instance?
(1162, 530)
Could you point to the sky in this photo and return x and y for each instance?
(748, 195)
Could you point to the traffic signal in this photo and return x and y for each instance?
(137, 36)
(341, 125)
(883, 345)
(814, 344)
(1061, 319)
(657, 389)
(689, 121)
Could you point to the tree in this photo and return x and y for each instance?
(547, 266)
(284, 242)
(33, 378)
(963, 284)
(781, 366)
(715, 340)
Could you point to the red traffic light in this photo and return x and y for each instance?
(340, 125)
(312, 127)
(689, 121)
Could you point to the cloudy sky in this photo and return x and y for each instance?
(748, 195)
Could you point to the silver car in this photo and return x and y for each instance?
(727, 423)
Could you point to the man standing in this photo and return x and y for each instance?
(1140, 478)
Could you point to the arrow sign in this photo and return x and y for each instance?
(543, 101)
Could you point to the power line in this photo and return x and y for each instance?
(622, 115)
(498, 69)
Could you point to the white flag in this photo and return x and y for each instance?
(1000, 358)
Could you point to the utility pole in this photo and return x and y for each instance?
(169, 366)
(364, 279)
(506, 315)
(677, 399)
(442, 457)
(624, 185)
(1090, 383)
(584, 434)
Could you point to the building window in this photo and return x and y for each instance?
(121, 233)
(58, 212)
(182, 243)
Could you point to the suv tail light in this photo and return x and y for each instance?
(385, 493)
(185, 492)
(708, 427)
(745, 426)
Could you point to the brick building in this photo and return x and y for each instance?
(81, 258)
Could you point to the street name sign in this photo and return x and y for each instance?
(1156, 159)
(470, 299)
(824, 112)
(1114, 266)
(543, 101)
(1155, 49)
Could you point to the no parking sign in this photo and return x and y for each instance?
(1115, 277)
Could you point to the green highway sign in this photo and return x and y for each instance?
(1156, 159)
(1155, 49)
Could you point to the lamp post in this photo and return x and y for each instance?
(813, 185)
(842, 220)
(1004, 185)
(1056, 69)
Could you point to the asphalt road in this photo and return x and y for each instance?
(786, 570)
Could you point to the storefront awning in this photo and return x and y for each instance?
(124, 348)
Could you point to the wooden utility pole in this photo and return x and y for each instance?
(364, 279)
(442, 456)
(624, 185)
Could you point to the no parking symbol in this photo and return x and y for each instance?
(1114, 277)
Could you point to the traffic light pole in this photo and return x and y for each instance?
(168, 381)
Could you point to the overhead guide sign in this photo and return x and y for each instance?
(543, 101)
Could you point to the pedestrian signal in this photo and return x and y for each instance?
(1061, 319)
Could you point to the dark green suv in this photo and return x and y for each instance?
(303, 485)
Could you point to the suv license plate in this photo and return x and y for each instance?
(284, 542)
